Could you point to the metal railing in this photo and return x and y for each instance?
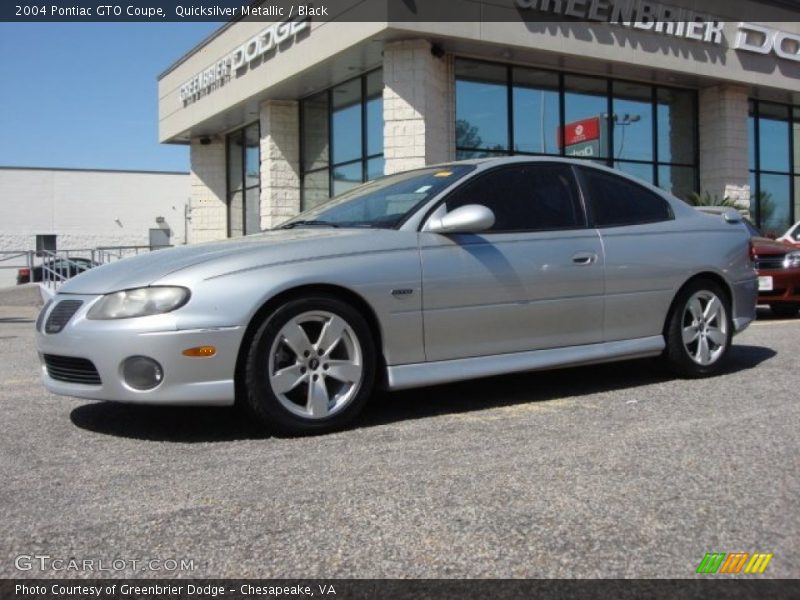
(51, 269)
(21, 259)
(106, 254)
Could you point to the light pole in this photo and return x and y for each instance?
(626, 120)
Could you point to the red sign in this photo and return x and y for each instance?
(577, 132)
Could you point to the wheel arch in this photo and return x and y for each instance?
(306, 290)
(709, 275)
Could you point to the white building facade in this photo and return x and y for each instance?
(281, 116)
(77, 209)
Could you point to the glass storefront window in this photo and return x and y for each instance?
(235, 152)
(632, 120)
(481, 106)
(235, 214)
(774, 194)
(508, 109)
(677, 180)
(243, 159)
(773, 129)
(346, 177)
(346, 121)
(586, 117)
(676, 126)
(341, 138)
(374, 108)
(252, 157)
(773, 139)
(643, 171)
(375, 168)
(537, 112)
(314, 113)
(316, 188)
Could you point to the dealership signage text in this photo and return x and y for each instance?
(261, 46)
(666, 19)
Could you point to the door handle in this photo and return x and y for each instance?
(584, 258)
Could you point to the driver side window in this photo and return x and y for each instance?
(525, 197)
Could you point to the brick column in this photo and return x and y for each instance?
(417, 106)
(280, 162)
(209, 217)
(723, 142)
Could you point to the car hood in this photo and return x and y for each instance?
(226, 256)
(767, 247)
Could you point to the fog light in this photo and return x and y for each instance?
(142, 373)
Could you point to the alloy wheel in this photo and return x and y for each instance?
(704, 327)
(315, 364)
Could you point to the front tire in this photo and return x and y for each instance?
(699, 330)
(310, 367)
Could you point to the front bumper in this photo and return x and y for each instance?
(186, 381)
(785, 286)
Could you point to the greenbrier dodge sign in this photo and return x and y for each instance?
(259, 46)
(665, 19)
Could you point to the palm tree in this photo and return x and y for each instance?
(709, 199)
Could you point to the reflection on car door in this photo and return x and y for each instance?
(535, 280)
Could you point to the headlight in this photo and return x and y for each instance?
(140, 302)
(791, 260)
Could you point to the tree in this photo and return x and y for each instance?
(709, 199)
(766, 212)
(467, 135)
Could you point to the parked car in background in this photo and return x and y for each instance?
(778, 265)
(444, 273)
(58, 268)
(792, 235)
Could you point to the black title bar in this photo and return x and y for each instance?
(397, 10)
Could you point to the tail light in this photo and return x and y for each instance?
(753, 255)
(24, 274)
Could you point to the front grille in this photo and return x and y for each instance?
(769, 262)
(72, 369)
(61, 314)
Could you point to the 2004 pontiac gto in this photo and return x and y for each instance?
(444, 273)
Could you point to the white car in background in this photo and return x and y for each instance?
(792, 235)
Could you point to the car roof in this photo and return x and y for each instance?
(495, 161)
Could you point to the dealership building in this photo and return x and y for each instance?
(282, 115)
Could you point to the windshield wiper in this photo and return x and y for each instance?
(311, 222)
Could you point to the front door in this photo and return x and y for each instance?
(534, 281)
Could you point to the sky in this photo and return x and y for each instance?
(84, 95)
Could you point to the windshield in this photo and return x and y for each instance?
(384, 202)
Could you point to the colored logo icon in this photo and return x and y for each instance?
(735, 562)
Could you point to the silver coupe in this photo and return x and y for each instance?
(439, 274)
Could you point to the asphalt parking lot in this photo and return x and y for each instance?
(607, 471)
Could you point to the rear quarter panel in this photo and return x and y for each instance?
(648, 264)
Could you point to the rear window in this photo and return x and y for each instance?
(615, 201)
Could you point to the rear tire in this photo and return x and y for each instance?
(699, 330)
(784, 311)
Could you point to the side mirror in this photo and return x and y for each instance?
(470, 218)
